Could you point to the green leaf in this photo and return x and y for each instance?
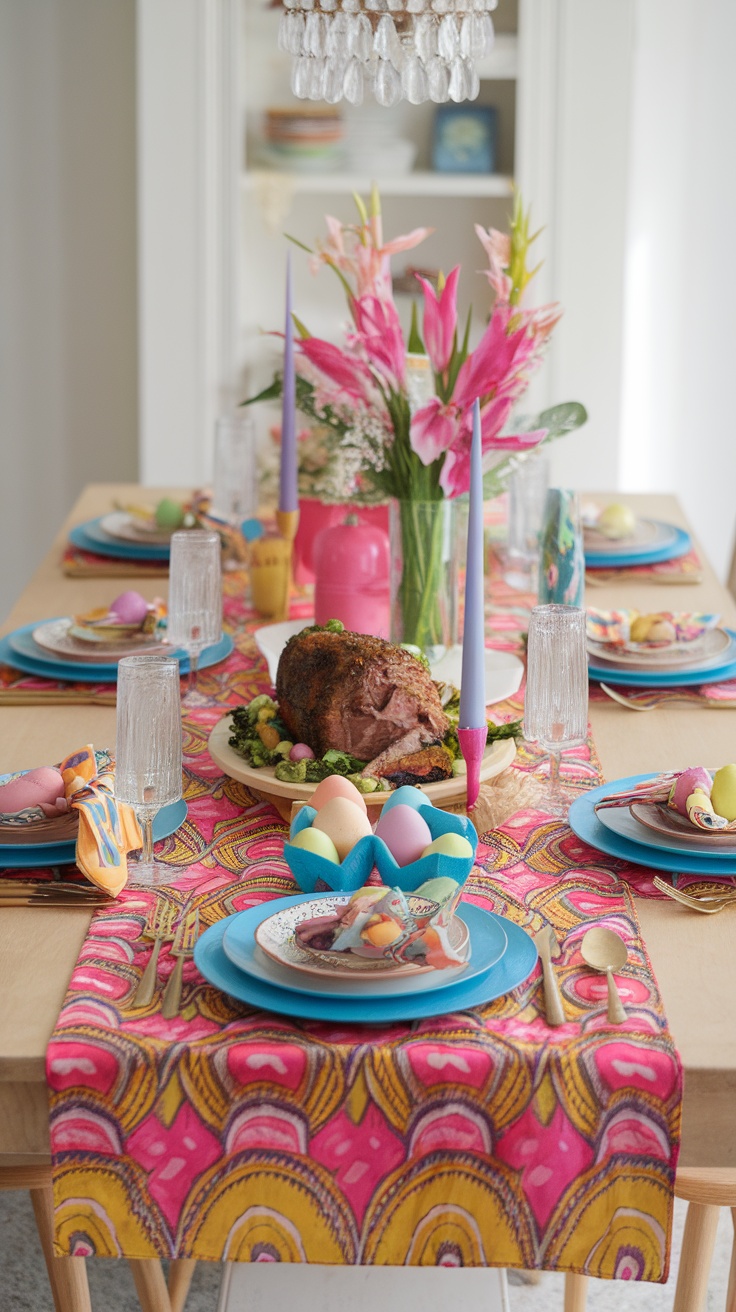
(558, 420)
(302, 331)
(270, 393)
(298, 243)
(415, 345)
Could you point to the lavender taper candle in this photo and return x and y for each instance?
(288, 495)
(473, 729)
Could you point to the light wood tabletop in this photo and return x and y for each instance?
(694, 957)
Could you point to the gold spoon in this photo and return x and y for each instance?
(605, 950)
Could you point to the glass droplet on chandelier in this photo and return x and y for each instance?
(419, 49)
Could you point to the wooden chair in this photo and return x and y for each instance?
(705, 1191)
(68, 1275)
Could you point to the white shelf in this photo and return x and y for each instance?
(427, 183)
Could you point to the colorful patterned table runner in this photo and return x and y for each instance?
(484, 1138)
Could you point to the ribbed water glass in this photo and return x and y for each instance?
(195, 595)
(148, 755)
(527, 493)
(233, 472)
(556, 697)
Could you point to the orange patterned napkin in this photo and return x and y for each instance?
(108, 829)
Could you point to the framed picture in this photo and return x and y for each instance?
(464, 139)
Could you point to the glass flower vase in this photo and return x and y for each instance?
(427, 550)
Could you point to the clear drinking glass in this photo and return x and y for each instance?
(148, 756)
(195, 595)
(556, 697)
(234, 469)
(527, 493)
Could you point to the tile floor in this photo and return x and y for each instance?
(24, 1286)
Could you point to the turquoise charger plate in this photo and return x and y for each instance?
(19, 650)
(584, 822)
(516, 964)
(91, 537)
(692, 676)
(677, 544)
(33, 855)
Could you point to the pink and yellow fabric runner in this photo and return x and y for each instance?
(481, 1138)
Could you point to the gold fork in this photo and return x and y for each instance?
(159, 928)
(187, 933)
(708, 903)
(654, 706)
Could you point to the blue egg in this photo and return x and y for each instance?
(408, 795)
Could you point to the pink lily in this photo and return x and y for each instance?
(351, 375)
(434, 428)
(497, 246)
(440, 320)
(455, 474)
(496, 363)
(378, 331)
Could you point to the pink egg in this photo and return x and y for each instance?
(130, 608)
(36, 788)
(696, 777)
(405, 833)
(336, 786)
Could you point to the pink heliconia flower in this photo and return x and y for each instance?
(378, 331)
(497, 246)
(440, 320)
(434, 428)
(350, 374)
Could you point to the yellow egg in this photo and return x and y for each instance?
(616, 521)
(449, 845)
(343, 822)
(723, 792)
(314, 840)
(382, 933)
(336, 786)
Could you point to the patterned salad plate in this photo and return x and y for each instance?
(671, 827)
(276, 936)
(129, 528)
(489, 942)
(709, 646)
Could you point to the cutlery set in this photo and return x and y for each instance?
(56, 893)
(708, 899)
(602, 949)
(163, 926)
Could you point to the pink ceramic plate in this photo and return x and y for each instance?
(661, 819)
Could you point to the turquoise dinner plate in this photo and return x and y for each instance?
(584, 822)
(19, 650)
(34, 855)
(90, 536)
(693, 674)
(676, 543)
(488, 943)
(515, 966)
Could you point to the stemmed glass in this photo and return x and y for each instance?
(148, 757)
(556, 697)
(195, 595)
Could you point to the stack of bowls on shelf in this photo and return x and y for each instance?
(303, 139)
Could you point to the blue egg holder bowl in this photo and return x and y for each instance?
(312, 871)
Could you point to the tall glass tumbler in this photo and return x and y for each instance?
(234, 484)
(148, 755)
(195, 595)
(556, 697)
(527, 492)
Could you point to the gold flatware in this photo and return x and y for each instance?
(159, 928)
(79, 904)
(49, 886)
(705, 901)
(548, 947)
(604, 950)
(187, 933)
(666, 701)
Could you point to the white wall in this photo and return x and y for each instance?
(68, 384)
(677, 431)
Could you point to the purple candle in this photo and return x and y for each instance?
(288, 495)
(473, 729)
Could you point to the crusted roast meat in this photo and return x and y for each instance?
(357, 694)
(425, 767)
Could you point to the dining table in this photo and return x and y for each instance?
(692, 956)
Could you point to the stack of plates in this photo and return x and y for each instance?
(650, 835)
(120, 535)
(34, 854)
(254, 956)
(651, 542)
(46, 649)
(303, 139)
(709, 658)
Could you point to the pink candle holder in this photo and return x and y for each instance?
(352, 572)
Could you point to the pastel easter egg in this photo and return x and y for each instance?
(723, 792)
(315, 840)
(407, 795)
(449, 845)
(336, 786)
(616, 521)
(129, 608)
(35, 788)
(686, 783)
(405, 833)
(169, 514)
(343, 822)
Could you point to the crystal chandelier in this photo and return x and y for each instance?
(418, 49)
